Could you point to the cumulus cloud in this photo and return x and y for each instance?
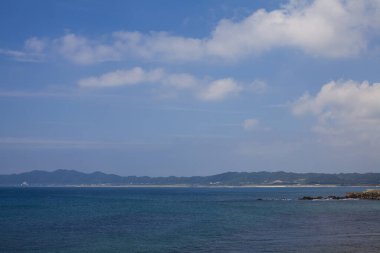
(201, 88)
(321, 28)
(328, 28)
(250, 124)
(347, 110)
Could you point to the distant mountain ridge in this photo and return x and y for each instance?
(72, 177)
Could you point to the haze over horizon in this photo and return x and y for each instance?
(187, 88)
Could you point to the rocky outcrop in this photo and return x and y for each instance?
(368, 194)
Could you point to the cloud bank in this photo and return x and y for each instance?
(320, 28)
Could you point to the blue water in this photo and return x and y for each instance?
(185, 220)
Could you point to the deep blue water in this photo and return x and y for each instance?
(185, 220)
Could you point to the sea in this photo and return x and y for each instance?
(80, 219)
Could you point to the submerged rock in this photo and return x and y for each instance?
(336, 197)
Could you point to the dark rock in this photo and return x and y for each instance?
(310, 198)
(368, 194)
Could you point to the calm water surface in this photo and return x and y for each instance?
(185, 220)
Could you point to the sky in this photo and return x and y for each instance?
(186, 88)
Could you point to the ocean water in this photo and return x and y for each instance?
(186, 220)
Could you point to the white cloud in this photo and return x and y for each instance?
(124, 44)
(353, 99)
(138, 75)
(122, 77)
(328, 28)
(159, 45)
(80, 50)
(220, 89)
(321, 28)
(347, 112)
(250, 124)
(214, 90)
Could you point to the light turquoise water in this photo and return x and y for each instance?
(185, 220)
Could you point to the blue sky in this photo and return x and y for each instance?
(190, 87)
